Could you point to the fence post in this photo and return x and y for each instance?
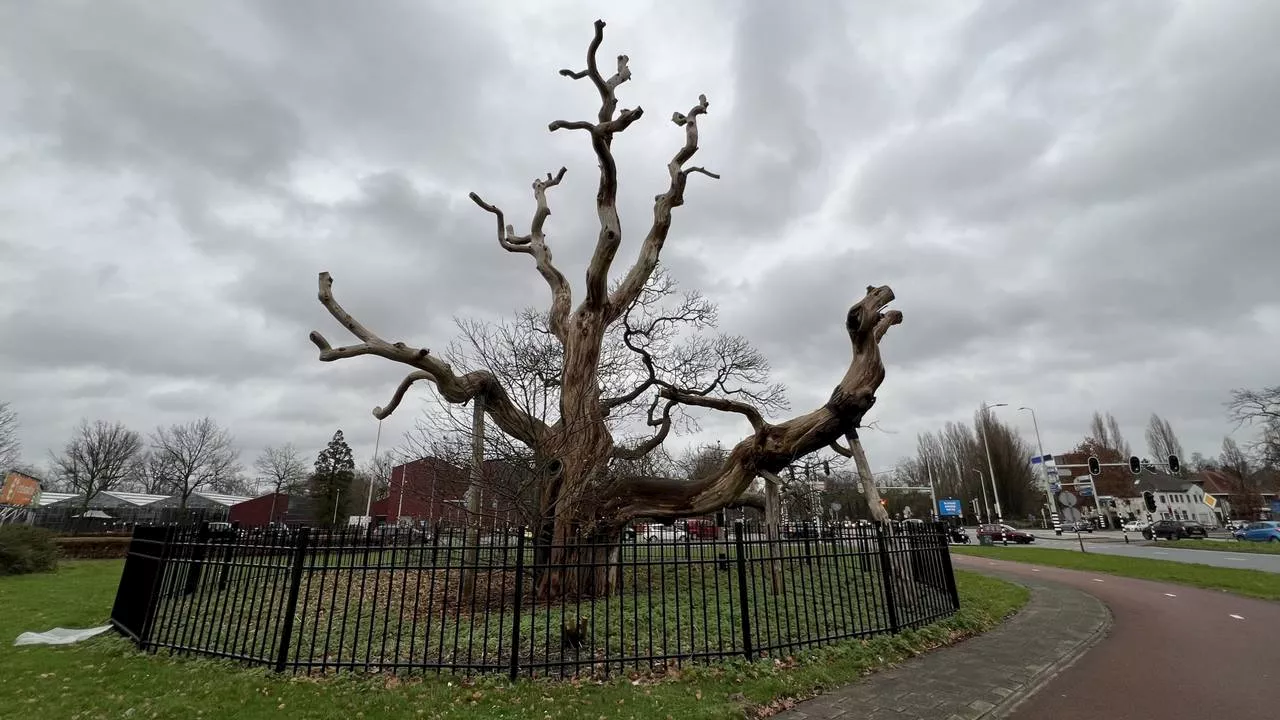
(291, 605)
(227, 555)
(947, 569)
(742, 590)
(196, 568)
(514, 670)
(886, 578)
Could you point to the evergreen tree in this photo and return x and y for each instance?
(330, 484)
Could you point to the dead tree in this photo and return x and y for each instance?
(589, 503)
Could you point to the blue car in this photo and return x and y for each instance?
(1265, 531)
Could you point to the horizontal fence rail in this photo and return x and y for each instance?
(468, 601)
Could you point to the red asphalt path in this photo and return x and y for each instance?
(1172, 652)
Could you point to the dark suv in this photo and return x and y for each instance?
(1174, 530)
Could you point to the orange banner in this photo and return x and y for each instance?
(20, 490)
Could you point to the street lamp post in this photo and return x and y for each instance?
(1048, 489)
(995, 491)
(933, 493)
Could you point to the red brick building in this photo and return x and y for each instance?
(431, 490)
(272, 507)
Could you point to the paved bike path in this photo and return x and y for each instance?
(978, 677)
(1172, 651)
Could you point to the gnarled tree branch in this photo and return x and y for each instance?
(663, 423)
(717, 403)
(663, 204)
(535, 244)
(602, 132)
(457, 389)
(774, 446)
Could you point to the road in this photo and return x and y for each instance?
(1113, 544)
(1173, 652)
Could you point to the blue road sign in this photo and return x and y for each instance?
(1086, 490)
(949, 508)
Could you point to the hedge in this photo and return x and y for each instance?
(25, 549)
(93, 548)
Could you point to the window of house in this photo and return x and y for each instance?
(1162, 499)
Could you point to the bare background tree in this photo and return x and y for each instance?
(193, 457)
(1104, 434)
(956, 459)
(1161, 440)
(146, 474)
(1260, 409)
(10, 447)
(97, 458)
(281, 469)
(578, 492)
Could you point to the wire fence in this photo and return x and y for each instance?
(466, 602)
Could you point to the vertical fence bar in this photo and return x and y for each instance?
(886, 578)
(747, 650)
(291, 605)
(196, 567)
(950, 573)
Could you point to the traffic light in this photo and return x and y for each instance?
(1135, 464)
(1149, 499)
(1095, 467)
(1174, 465)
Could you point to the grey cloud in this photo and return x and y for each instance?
(1072, 201)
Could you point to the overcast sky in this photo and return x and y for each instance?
(1075, 202)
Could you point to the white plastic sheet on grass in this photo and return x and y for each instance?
(59, 636)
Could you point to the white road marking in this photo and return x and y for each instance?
(1096, 580)
(1237, 559)
(1170, 595)
(1035, 569)
(1161, 552)
(1236, 616)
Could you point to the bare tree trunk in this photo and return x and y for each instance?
(772, 521)
(878, 512)
(471, 555)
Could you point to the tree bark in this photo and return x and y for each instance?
(772, 523)
(471, 555)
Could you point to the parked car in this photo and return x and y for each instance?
(1078, 526)
(1135, 525)
(1006, 532)
(1264, 531)
(1175, 529)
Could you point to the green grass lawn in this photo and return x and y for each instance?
(393, 607)
(1261, 548)
(1253, 583)
(107, 677)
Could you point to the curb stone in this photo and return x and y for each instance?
(983, 677)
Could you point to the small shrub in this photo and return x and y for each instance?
(93, 548)
(25, 549)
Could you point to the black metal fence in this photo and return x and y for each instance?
(452, 601)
